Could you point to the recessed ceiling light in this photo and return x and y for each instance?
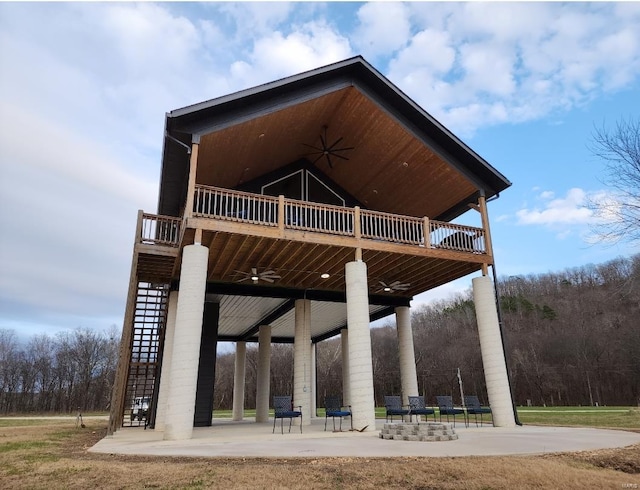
(324, 276)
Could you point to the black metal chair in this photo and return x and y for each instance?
(394, 406)
(417, 407)
(445, 407)
(473, 406)
(283, 409)
(333, 408)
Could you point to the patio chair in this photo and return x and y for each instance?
(474, 408)
(283, 409)
(394, 406)
(418, 407)
(333, 408)
(445, 406)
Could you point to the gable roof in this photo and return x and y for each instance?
(404, 161)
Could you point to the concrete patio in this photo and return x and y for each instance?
(255, 440)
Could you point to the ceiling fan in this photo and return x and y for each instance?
(393, 286)
(255, 276)
(327, 150)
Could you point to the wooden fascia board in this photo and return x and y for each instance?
(332, 240)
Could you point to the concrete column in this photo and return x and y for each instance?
(264, 374)
(408, 375)
(360, 360)
(493, 360)
(165, 376)
(238, 381)
(344, 339)
(186, 344)
(314, 381)
(302, 359)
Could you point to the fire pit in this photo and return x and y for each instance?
(428, 432)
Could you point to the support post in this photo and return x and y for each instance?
(191, 184)
(165, 376)
(493, 355)
(313, 394)
(302, 359)
(484, 216)
(360, 359)
(281, 214)
(186, 344)
(264, 373)
(238, 381)
(408, 374)
(346, 394)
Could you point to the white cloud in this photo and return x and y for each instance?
(514, 62)
(256, 19)
(568, 210)
(383, 28)
(308, 46)
(545, 195)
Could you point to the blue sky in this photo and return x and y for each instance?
(86, 85)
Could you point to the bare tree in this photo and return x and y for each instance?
(618, 211)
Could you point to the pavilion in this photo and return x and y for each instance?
(297, 211)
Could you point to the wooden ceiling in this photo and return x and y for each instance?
(301, 265)
(388, 170)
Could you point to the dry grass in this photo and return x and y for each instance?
(54, 455)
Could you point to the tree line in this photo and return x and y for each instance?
(70, 371)
(572, 338)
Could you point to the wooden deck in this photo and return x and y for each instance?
(302, 240)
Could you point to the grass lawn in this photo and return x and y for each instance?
(51, 453)
(604, 417)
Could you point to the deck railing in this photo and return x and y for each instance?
(225, 204)
(160, 230)
(392, 227)
(321, 218)
(235, 206)
(456, 237)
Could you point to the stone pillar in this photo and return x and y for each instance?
(238, 381)
(344, 338)
(360, 360)
(165, 376)
(186, 344)
(302, 359)
(264, 374)
(408, 375)
(493, 359)
(314, 381)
